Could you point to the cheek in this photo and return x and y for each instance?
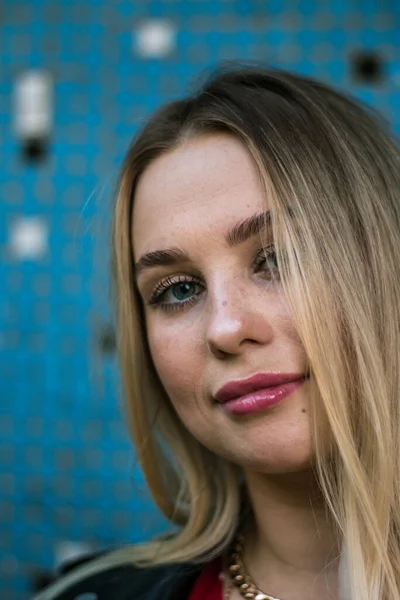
(177, 357)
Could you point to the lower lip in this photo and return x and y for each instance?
(261, 399)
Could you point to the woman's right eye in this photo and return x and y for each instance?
(175, 293)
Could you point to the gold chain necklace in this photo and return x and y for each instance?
(239, 578)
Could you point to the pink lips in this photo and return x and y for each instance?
(260, 392)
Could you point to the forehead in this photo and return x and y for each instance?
(205, 183)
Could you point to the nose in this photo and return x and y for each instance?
(236, 324)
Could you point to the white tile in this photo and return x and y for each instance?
(155, 38)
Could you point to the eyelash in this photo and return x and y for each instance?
(155, 300)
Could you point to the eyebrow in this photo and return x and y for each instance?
(240, 233)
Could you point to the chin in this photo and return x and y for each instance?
(278, 466)
(273, 459)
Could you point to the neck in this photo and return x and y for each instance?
(292, 538)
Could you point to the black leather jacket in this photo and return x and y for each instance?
(125, 582)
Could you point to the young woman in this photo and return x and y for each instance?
(257, 274)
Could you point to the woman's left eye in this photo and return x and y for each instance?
(267, 260)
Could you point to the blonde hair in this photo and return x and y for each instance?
(331, 168)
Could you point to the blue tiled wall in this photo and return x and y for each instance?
(66, 468)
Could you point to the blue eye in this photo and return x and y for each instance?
(175, 292)
(181, 291)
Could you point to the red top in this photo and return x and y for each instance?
(208, 586)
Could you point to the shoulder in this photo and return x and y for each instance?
(124, 581)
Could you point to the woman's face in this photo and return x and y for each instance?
(214, 307)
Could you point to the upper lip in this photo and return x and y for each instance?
(260, 381)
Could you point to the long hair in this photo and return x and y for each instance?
(331, 169)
